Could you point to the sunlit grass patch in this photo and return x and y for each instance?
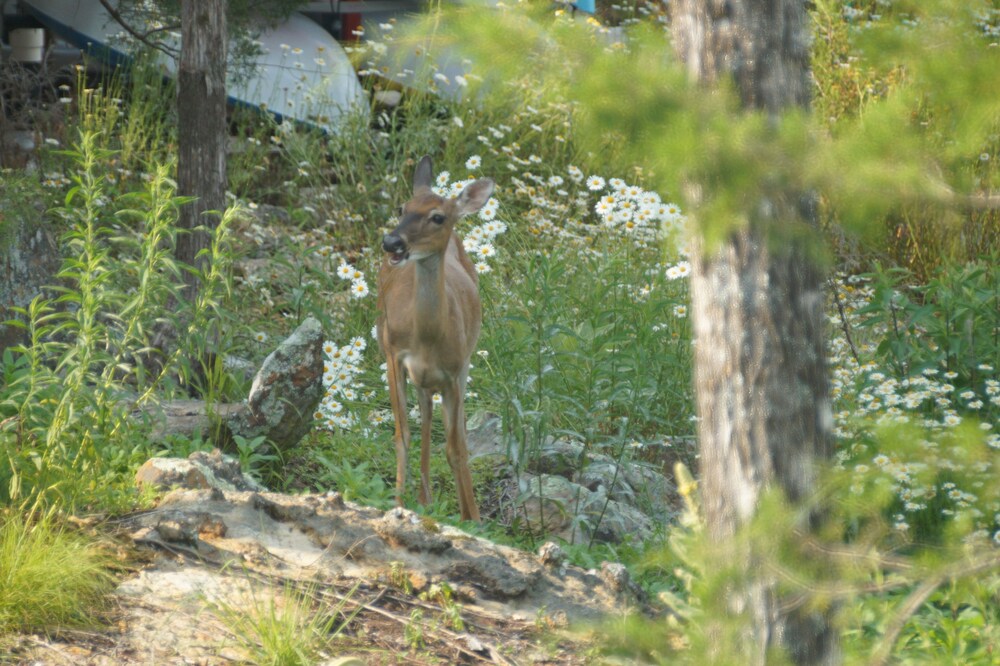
(284, 627)
(50, 577)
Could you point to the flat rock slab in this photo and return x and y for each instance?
(321, 536)
(215, 553)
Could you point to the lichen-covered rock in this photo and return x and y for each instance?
(563, 457)
(484, 436)
(554, 505)
(551, 555)
(286, 390)
(573, 491)
(493, 576)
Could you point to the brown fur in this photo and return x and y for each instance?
(428, 324)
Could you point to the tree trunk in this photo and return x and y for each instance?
(758, 313)
(29, 261)
(202, 130)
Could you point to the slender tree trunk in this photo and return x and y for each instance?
(202, 132)
(757, 301)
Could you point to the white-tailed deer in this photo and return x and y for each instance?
(428, 324)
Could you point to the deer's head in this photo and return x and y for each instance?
(427, 219)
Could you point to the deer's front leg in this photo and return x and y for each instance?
(425, 399)
(397, 398)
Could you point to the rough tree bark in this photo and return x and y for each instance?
(757, 302)
(202, 131)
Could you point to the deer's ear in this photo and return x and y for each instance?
(474, 196)
(424, 174)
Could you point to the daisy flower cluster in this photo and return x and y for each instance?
(342, 366)
(939, 473)
(359, 286)
(632, 211)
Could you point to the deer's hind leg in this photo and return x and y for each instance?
(456, 448)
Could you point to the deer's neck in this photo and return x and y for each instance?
(431, 307)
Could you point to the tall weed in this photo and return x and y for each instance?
(66, 434)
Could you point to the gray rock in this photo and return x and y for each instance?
(554, 505)
(559, 507)
(198, 471)
(286, 390)
(603, 471)
(343, 661)
(654, 494)
(484, 435)
(618, 522)
(572, 493)
(493, 576)
(402, 528)
(558, 456)
(551, 555)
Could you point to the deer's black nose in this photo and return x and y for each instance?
(393, 243)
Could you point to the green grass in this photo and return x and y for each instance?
(50, 577)
(289, 627)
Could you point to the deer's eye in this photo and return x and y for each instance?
(437, 218)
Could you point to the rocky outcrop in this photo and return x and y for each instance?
(217, 544)
(199, 470)
(568, 491)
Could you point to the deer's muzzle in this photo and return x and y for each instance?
(394, 245)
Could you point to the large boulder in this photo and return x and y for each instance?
(199, 471)
(281, 405)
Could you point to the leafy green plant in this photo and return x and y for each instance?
(255, 454)
(66, 435)
(182, 446)
(413, 631)
(451, 610)
(357, 483)
(949, 325)
(399, 577)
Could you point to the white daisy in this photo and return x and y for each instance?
(359, 289)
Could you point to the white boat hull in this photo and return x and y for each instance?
(302, 74)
